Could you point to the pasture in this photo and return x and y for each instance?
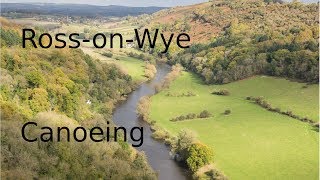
(250, 142)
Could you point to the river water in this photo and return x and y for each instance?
(157, 153)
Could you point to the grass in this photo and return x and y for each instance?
(251, 142)
(132, 66)
(281, 93)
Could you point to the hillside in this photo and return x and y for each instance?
(233, 40)
(207, 20)
(252, 67)
(52, 88)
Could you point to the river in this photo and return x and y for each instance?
(157, 152)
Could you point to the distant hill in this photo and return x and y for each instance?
(76, 9)
(207, 20)
(232, 39)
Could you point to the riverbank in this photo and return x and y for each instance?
(158, 154)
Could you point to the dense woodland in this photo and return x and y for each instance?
(233, 40)
(52, 87)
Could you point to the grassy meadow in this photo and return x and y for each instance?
(251, 142)
(132, 66)
(129, 65)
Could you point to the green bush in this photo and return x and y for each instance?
(222, 92)
(198, 156)
(205, 114)
(107, 54)
(227, 111)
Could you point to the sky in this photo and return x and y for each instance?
(137, 3)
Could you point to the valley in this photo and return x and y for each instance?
(237, 99)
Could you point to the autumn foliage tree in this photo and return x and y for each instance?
(143, 108)
(51, 87)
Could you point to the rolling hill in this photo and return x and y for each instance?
(76, 9)
(233, 40)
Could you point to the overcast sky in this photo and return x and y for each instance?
(164, 3)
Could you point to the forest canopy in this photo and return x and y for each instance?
(52, 87)
(232, 40)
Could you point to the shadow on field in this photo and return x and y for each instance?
(197, 79)
(315, 129)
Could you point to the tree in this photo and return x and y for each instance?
(304, 36)
(184, 140)
(39, 100)
(143, 108)
(150, 71)
(35, 79)
(205, 114)
(198, 156)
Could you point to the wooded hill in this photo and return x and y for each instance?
(236, 39)
(52, 87)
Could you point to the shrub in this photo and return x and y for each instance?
(278, 110)
(215, 174)
(183, 141)
(198, 156)
(258, 100)
(181, 118)
(150, 71)
(222, 92)
(173, 119)
(191, 116)
(107, 54)
(189, 93)
(289, 113)
(227, 111)
(175, 72)
(205, 114)
(143, 108)
(160, 134)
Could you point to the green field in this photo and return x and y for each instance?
(132, 66)
(251, 142)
